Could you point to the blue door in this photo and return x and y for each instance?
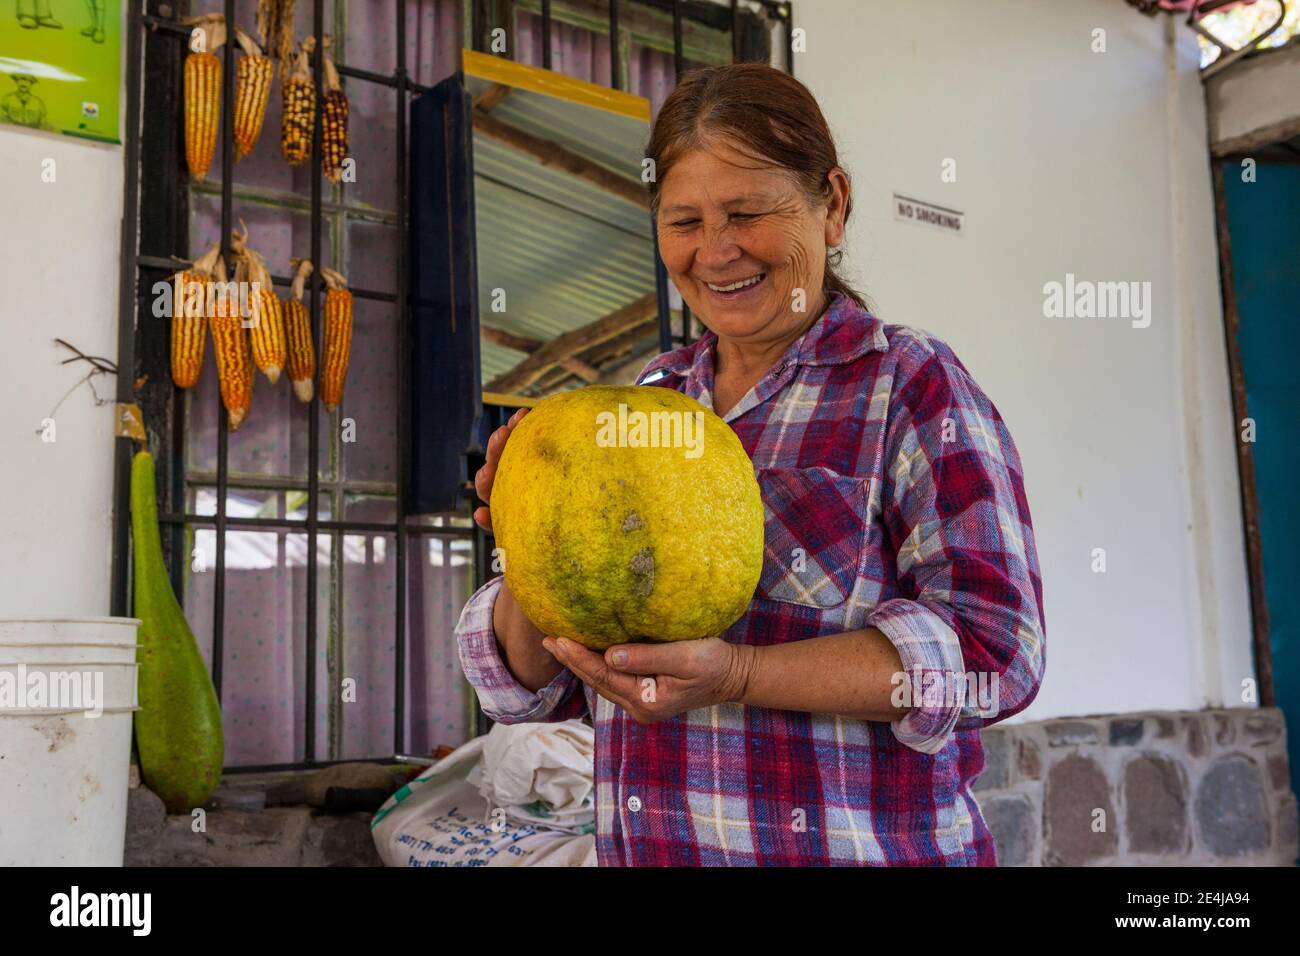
(1264, 232)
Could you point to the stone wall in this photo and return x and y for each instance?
(1171, 788)
(1162, 788)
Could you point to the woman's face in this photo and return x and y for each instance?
(740, 242)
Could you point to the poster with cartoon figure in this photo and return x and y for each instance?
(60, 66)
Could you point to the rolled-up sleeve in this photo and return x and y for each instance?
(502, 697)
(969, 624)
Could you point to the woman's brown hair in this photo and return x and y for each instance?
(766, 113)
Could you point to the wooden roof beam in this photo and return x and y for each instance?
(552, 154)
(567, 346)
(520, 343)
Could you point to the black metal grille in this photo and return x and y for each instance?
(155, 219)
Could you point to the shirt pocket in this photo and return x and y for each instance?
(815, 524)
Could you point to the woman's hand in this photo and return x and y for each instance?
(519, 639)
(486, 475)
(654, 682)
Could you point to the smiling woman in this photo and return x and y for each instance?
(898, 547)
(751, 203)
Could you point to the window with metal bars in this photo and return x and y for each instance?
(323, 608)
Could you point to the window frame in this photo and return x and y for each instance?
(155, 222)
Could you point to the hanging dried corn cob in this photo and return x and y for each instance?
(266, 325)
(245, 394)
(268, 334)
(336, 347)
(252, 88)
(230, 348)
(189, 318)
(301, 359)
(203, 92)
(275, 24)
(299, 116)
(334, 133)
(189, 329)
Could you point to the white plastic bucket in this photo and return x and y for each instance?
(65, 750)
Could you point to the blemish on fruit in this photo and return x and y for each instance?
(642, 567)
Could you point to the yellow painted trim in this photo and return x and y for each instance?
(509, 401)
(549, 83)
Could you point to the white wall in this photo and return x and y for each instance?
(59, 272)
(1064, 165)
(1068, 161)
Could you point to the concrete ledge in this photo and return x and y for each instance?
(1254, 101)
(275, 836)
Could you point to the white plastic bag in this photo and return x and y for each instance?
(520, 795)
(540, 774)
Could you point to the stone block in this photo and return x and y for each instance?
(1197, 744)
(996, 774)
(342, 840)
(272, 837)
(1231, 811)
(1126, 731)
(1075, 791)
(1279, 772)
(1288, 830)
(1155, 805)
(145, 818)
(1263, 728)
(1013, 821)
(1071, 733)
(1225, 730)
(1030, 759)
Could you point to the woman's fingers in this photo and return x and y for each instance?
(484, 477)
(676, 658)
(496, 441)
(483, 482)
(591, 669)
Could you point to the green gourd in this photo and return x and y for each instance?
(178, 727)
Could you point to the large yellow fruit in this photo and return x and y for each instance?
(627, 513)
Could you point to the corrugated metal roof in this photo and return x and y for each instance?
(615, 141)
(564, 251)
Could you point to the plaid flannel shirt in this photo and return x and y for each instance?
(893, 499)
